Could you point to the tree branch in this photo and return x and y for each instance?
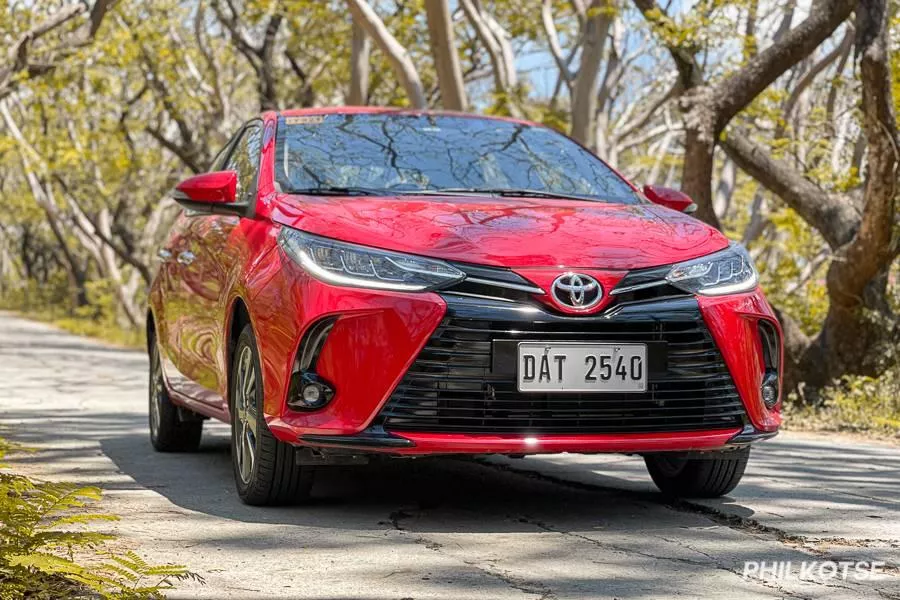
(873, 247)
(835, 218)
(738, 90)
(690, 72)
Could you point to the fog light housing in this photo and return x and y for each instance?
(769, 389)
(308, 391)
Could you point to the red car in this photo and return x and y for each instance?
(346, 283)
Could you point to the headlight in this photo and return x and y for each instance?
(346, 264)
(726, 272)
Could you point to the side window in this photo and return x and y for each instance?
(219, 160)
(244, 160)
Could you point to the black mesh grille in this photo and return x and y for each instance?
(451, 387)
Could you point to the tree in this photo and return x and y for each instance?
(708, 107)
(446, 60)
(404, 69)
(496, 41)
(584, 94)
(359, 67)
(21, 55)
(860, 328)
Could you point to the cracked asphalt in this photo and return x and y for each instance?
(554, 527)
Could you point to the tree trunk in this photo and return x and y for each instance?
(495, 42)
(584, 100)
(360, 51)
(446, 58)
(401, 62)
(699, 148)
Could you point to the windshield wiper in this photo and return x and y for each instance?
(520, 192)
(330, 190)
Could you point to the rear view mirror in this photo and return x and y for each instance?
(210, 192)
(674, 199)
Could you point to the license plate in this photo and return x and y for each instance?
(577, 367)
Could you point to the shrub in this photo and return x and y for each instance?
(43, 557)
(859, 404)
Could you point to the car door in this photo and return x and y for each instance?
(214, 250)
(171, 315)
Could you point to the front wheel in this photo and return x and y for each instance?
(706, 476)
(265, 469)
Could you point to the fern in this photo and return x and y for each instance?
(40, 558)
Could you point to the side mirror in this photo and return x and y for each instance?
(214, 192)
(670, 198)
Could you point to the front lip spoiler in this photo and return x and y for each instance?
(750, 435)
(377, 440)
(373, 438)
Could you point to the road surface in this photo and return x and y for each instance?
(550, 528)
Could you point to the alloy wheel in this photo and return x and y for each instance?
(246, 422)
(156, 393)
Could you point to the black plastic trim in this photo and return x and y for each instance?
(655, 310)
(498, 274)
(373, 437)
(750, 435)
(207, 208)
(462, 380)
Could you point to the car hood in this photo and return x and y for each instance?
(507, 232)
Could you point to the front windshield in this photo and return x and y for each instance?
(402, 153)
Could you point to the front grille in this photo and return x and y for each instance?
(452, 387)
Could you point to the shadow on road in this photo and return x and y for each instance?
(203, 481)
(391, 488)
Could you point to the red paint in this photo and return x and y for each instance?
(444, 443)
(732, 321)
(674, 199)
(218, 187)
(507, 232)
(378, 334)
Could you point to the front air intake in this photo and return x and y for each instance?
(307, 390)
(457, 386)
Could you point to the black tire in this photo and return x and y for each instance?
(708, 476)
(273, 477)
(169, 432)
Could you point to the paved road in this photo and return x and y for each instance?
(552, 528)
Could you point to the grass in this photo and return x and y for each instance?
(128, 338)
(866, 406)
(99, 329)
(51, 303)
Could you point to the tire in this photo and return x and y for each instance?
(707, 477)
(169, 432)
(265, 469)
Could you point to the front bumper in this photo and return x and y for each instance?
(414, 444)
(382, 346)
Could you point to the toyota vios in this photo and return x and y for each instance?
(351, 282)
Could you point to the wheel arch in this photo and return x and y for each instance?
(150, 329)
(238, 318)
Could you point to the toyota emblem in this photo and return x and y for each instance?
(577, 291)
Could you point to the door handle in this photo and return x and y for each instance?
(185, 258)
(164, 254)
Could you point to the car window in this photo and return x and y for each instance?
(219, 160)
(244, 160)
(409, 152)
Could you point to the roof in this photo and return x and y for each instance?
(371, 110)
